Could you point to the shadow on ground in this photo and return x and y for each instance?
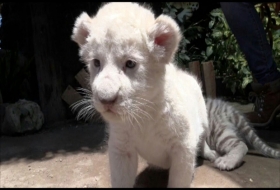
(240, 177)
(70, 137)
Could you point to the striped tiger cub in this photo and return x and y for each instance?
(224, 141)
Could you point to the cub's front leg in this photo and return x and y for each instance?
(182, 167)
(123, 160)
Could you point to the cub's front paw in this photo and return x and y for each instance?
(225, 163)
(212, 155)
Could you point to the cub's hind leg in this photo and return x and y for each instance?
(234, 156)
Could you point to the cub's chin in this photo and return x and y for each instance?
(109, 115)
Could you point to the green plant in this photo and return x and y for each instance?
(182, 12)
(229, 61)
(275, 29)
(276, 47)
(222, 48)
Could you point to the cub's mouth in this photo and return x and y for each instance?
(111, 109)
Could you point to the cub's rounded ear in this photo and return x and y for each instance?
(164, 38)
(81, 29)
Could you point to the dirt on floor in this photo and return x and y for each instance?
(73, 154)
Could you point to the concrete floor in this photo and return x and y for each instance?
(75, 155)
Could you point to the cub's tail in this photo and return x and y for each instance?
(245, 130)
(249, 134)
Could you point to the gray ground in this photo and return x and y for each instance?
(75, 155)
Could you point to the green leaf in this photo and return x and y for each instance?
(217, 34)
(177, 5)
(245, 70)
(181, 15)
(241, 58)
(184, 57)
(209, 50)
(173, 10)
(208, 41)
(278, 46)
(165, 10)
(186, 5)
(245, 82)
(211, 23)
(186, 41)
(168, 5)
(215, 12)
(172, 14)
(227, 33)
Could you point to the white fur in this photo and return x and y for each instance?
(158, 110)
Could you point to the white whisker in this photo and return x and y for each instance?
(132, 114)
(141, 111)
(129, 116)
(84, 107)
(84, 90)
(148, 101)
(144, 104)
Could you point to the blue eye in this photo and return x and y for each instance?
(130, 64)
(96, 63)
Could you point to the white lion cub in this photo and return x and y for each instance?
(152, 108)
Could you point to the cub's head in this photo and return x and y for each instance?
(125, 49)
